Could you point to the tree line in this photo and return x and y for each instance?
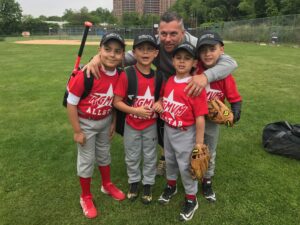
(194, 12)
(211, 11)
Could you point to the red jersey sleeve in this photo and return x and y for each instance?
(231, 92)
(76, 84)
(200, 68)
(121, 86)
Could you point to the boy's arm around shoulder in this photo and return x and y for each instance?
(225, 66)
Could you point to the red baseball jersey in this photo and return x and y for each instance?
(221, 89)
(145, 97)
(180, 110)
(98, 104)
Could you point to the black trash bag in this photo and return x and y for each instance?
(282, 138)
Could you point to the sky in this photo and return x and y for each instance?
(58, 7)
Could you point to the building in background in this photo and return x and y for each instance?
(165, 5)
(152, 7)
(141, 6)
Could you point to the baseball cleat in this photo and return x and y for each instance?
(147, 195)
(88, 207)
(133, 191)
(207, 190)
(113, 191)
(188, 210)
(168, 193)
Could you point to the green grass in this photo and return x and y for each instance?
(38, 182)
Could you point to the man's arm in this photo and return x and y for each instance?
(129, 59)
(92, 67)
(225, 65)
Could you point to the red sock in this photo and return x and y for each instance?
(85, 184)
(190, 197)
(105, 174)
(172, 183)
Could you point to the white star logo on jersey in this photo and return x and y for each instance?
(103, 99)
(146, 100)
(173, 107)
(212, 93)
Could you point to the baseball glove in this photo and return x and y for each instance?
(219, 113)
(199, 161)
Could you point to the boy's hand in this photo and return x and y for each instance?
(196, 84)
(143, 111)
(80, 138)
(92, 68)
(158, 107)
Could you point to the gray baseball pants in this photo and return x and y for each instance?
(211, 137)
(96, 148)
(140, 144)
(178, 146)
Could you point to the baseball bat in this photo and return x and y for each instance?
(87, 26)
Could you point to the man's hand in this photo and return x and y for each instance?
(92, 68)
(80, 138)
(196, 84)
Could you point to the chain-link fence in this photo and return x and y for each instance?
(282, 29)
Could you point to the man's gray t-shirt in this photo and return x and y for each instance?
(163, 62)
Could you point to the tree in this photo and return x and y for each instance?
(10, 17)
(131, 19)
(54, 18)
(79, 17)
(272, 8)
(43, 18)
(248, 7)
(290, 7)
(104, 16)
(36, 25)
(148, 20)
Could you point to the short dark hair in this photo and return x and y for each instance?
(171, 16)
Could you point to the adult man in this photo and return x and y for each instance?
(171, 34)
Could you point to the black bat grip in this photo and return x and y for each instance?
(86, 31)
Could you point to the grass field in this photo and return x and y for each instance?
(38, 182)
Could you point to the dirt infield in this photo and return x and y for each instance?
(61, 42)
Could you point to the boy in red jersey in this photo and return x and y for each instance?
(93, 122)
(184, 127)
(140, 132)
(210, 48)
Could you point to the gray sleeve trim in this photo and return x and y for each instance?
(225, 66)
